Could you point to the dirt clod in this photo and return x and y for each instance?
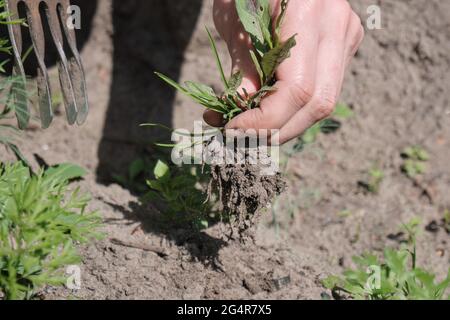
(246, 187)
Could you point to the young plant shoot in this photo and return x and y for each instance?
(244, 189)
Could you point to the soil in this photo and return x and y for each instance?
(397, 86)
(243, 187)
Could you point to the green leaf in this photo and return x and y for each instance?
(255, 17)
(64, 173)
(331, 282)
(257, 66)
(201, 90)
(235, 81)
(217, 57)
(122, 180)
(19, 97)
(155, 185)
(18, 154)
(276, 56)
(200, 93)
(280, 20)
(136, 168)
(310, 135)
(46, 219)
(171, 82)
(343, 111)
(328, 126)
(161, 170)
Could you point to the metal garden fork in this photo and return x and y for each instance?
(71, 72)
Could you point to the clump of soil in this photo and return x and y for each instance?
(246, 182)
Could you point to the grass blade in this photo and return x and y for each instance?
(171, 82)
(257, 66)
(219, 63)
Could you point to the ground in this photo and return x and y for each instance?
(397, 87)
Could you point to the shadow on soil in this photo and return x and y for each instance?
(201, 247)
(148, 36)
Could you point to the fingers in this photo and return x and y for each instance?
(355, 36)
(329, 77)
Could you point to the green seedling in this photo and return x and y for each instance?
(134, 180)
(395, 277)
(9, 133)
(446, 220)
(413, 168)
(57, 100)
(415, 159)
(390, 279)
(41, 221)
(180, 192)
(10, 86)
(344, 214)
(375, 177)
(267, 54)
(447, 217)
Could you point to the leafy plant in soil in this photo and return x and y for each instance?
(446, 221)
(244, 190)
(415, 159)
(41, 221)
(395, 277)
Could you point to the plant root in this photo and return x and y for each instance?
(245, 188)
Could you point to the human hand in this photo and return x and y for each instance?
(309, 83)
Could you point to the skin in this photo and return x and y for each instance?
(309, 84)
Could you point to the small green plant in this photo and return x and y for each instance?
(416, 153)
(134, 180)
(179, 190)
(395, 277)
(267, 54)
(376, 178)
(326, 126)
(415, 159)
(41, 221)
(446, 220)
(373, 180)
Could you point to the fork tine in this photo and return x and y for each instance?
(63, 65)
(18, 88)
(75, 66)
(43, 80)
